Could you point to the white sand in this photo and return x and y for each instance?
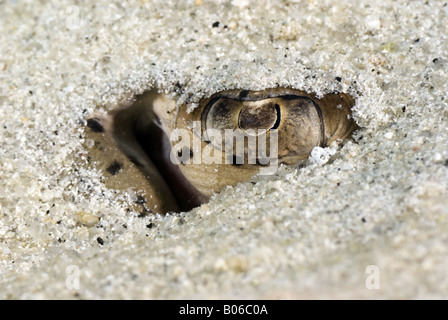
(303, 233)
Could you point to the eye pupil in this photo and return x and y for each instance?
(258, 115)
(279, 117)
(301, 121)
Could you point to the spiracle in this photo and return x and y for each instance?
(180, 158)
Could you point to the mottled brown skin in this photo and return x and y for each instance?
(133, 149)
(122, 170)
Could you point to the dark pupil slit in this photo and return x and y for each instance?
(279, 117)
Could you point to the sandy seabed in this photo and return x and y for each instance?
(370, 223)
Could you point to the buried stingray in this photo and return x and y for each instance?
(175, 159)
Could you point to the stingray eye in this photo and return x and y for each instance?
(179, 159)
(301, 121)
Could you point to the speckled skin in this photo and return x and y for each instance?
(124, 163)
(132, 148)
